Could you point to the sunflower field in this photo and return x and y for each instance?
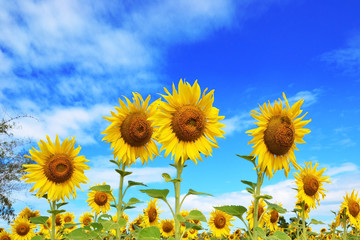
(182, 123)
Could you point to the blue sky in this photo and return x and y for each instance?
(66, 63)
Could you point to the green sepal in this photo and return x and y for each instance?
(251, 184)
(171, 164)
(39, 220)
(149, 233)
(233, 210)
(196, 215)
(123, 173)
(193, 192)
(101, 188)
(56, 212)
(133, 201)
(113, 205)
(249, 158)
(314, 221)
(272, 206)
(132, 183)
(44, 196)
(156, 193)
(189, 225)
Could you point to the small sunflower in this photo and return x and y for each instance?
(237, 232)
(67, 217)
(183, 213)
(58, 170)
(339, 219)
(299, 205)
(58, 221)
(27, 213)
(4, 235)
(99, 201)
(151, 214)
(351, 204)
(273, 219)
(192, 233)
(220, 223)
(22, 229)
(261, 211)
(187, 123)
(136, 222)
(130, 132)
(310, 182)
(167, 228)
(86, 219)
(275, 139)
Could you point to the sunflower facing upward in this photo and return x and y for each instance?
(130, 132)
(310, 182)
(276, 136)
(220, 223)
(351, 204)
(188, 123)
(58, 170)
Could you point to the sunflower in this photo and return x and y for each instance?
(67, 217)
(27, 213)
(192, 233)
(273, 219)
(130, 132)
(339, 219)
(151, 214)
(58, 221)
(261, 210)
(136, 222)
(187, 123)
(58, 169)
(299, 205)
(22, 229)
(275, 139)
(220, 223)
(167, 228)
(86, 219)
(4, 235)
(310, 182)
(99, 201)
(351, 204)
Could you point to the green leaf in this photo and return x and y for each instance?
(38, 237)
(61, 204)
(233, 210)
(272, 206)
(101, 188)
(261, 233)
(56, 211)
(189, 225)
(193, 192)
(78, 234)
(149, 233)
(133, 201)
(250, 190)
(128, 207)
(249, 158)
(265, 196)
(44, 196)
(156, 193)
(281, 235)
(123, 173)
(251, 184)
(180, 218)
(167, 177)
(70, 225)
(132, 183)
(196, 215)
(117, 163)
(39, 220)
(97, 226)
(109, 224)
(103, 216)
(314, 221)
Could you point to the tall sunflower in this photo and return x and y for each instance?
(58, 170)
(310, 182)
(220, 223)
(130, 132)
(279, 129)
(352, 205)
(187, 123)
(99, 201)
(22, 229)
(261, 212)
(151, 214)
(167, 228)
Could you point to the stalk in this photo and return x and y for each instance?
(345, 227)
(119, 205)
(179, 168)
(304, 230)
(259, 182)
(53, 214)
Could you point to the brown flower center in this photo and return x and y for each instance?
(87, 221)
(136, 129)
(311, 185)
(260, 211)
(306, 207)
(220, 221)
(5, 237)
(58, 220)
(59, 168)
(188, 123)
(67, 219)
(167, 227)
(279, 135)
(274, 216)
(354, 208)
(152, 214)
(101, 198)
(22, 229)
(185, 236)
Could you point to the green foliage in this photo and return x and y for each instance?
(233, 210)
(39, 220)
(272, 206)
(156, 193)
(149, 233)
(101, 188)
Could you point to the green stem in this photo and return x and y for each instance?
(260, 178)
(179, 168)
(345, 226)
(53, 215)
(119, 205)
(304, 230)
(298, 225)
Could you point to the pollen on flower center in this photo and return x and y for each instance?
(22, 229)
(274, 216)
(152, 215)
(219, 221)
(167, 227)
(59, 168)
(311, 185)
(188, 123)
(279, 135)
(354, 208)
(100, 198)
(136, 129)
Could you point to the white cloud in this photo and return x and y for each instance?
(343, 168)
(310, 97)
(237, 123)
